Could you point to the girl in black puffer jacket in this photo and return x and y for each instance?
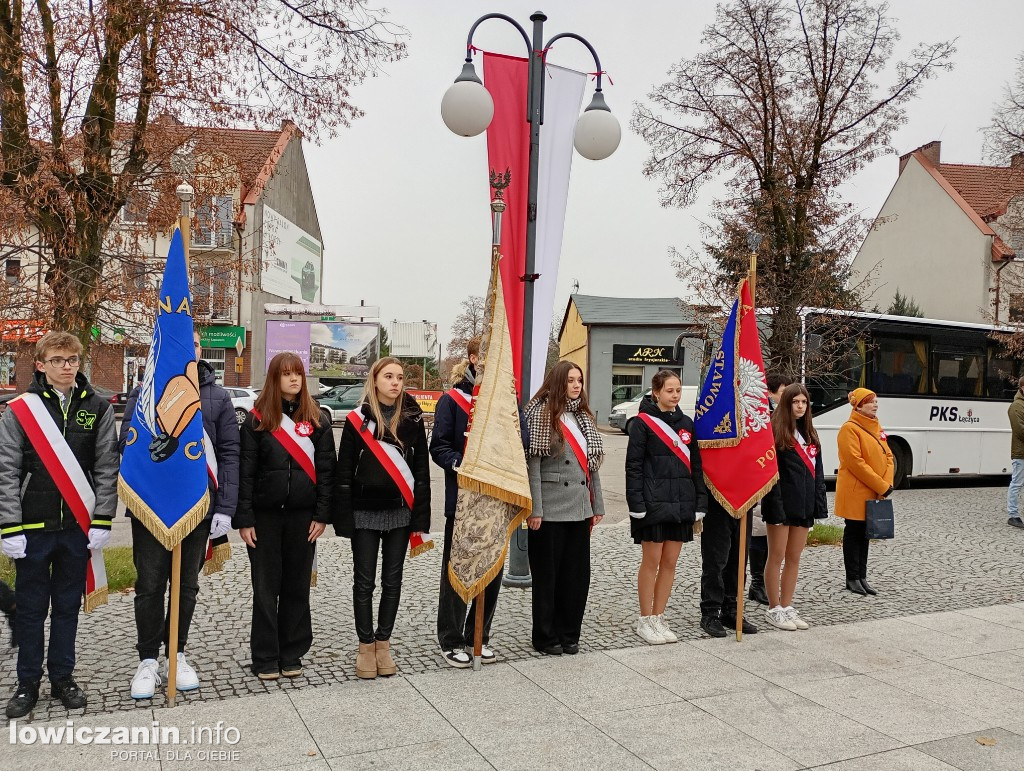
(791, 507)
(284, 504)
(666, 496)
(383, 438)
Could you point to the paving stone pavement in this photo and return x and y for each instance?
(953, 550)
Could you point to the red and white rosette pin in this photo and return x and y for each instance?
(882, 435)
(304, 428)
(812, 451)
(684, 436)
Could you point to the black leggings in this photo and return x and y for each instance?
(855, 549)
(365, 546)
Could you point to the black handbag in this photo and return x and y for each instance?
(879, 517)
(879, 520)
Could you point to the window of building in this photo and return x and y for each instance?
(213, 223)
(627, 383)
(901, 365)
(12, 270)
(136, 274)
(215, 357)
(957, 372)
(1016, 311)
(138, 205)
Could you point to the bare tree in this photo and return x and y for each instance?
(82, 85)
(783, 101)
(1004, 137)
(467, 325)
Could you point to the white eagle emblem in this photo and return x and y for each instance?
(753, 397)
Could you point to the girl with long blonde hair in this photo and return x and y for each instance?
(382, 497)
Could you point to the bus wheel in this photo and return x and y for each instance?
(901, 462)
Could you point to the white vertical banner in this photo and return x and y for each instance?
(563, 98)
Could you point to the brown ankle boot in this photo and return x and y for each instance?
(366, 663)
(385, 664)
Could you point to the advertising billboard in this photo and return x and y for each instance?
(292, 260)
(333, 349)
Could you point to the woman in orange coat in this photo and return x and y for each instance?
(865, 474)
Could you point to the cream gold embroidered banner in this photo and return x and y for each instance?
(494, 489)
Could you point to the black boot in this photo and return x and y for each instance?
(728, 620)
(867, 587)
(25, 697)
(70, 695)
(758, 558)
(854, 585)
(713, 626)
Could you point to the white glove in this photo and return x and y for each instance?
(638, 514)
(98, 537)
(14, 547)
(221, 525)
(700, 515)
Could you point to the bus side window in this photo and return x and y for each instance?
(1000, 380)
(900, 365)
(957, 371)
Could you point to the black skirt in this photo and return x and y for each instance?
(771, 518)
(673, 531)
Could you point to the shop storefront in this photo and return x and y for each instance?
(621, 343)
(223, 348)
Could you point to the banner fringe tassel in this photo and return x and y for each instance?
(168, 537)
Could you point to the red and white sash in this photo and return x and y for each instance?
(577, 442)
(67, 474)
(389, 456)
(211, 460)
(807, 453)
(464, 402)
(296, 444)
(678, 443)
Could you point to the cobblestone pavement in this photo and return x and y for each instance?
(953, 550)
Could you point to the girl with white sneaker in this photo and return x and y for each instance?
(790, 509)
(666, 495)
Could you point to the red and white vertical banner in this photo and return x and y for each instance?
(508, 147)
(563, 99)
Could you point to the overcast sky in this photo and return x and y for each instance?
(403, 202)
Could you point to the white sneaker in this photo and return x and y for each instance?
(779, 618)
(458, 658)
(487, 655)
(646, 628)
(793, 616)
(662, 627)
(187, 679)
(147, 678)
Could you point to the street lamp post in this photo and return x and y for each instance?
(467, 109)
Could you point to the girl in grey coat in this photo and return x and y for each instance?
(564, 455)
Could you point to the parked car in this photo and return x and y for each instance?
(624, 412)
(243, 399)
(116, 398)
(340, 401)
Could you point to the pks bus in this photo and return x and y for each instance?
(943, 389)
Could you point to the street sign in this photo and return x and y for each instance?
(239, 345)
(239, 364)
(221, 336)
(328, 317)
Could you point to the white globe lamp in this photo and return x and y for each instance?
(597, 131)
(467, 107)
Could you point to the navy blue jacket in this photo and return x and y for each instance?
(221, 424)
(448, 440)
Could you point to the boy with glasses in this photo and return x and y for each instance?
(48, 479)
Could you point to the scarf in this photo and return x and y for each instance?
(538, 425)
